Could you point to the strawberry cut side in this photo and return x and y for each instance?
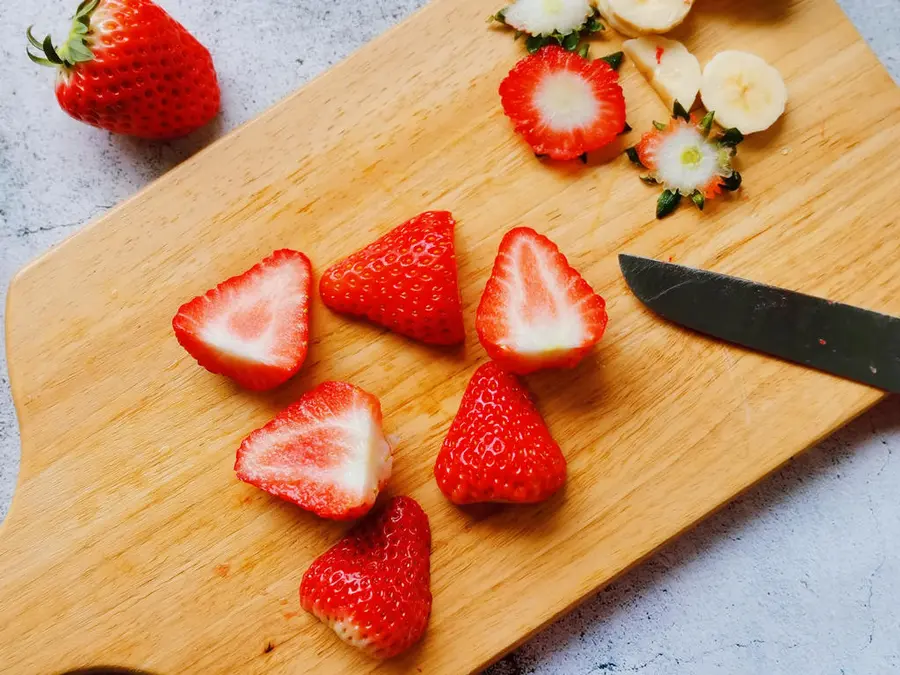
(498, 448)
(537, 311)
(253, 328)
(563, 104)
(406, 281)
(373, 587)
(326, 453)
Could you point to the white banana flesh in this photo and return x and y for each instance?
(645, 17)
(606, 13)
(669, 68)
(744, 91)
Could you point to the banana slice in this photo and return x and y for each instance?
(744, 91)
(669, 67)
(612, 21)
(643, 17)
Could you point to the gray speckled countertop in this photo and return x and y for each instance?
(801, 575)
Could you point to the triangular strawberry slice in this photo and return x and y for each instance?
(373, 588)
(325, 453)
(498, 448)
(254, 327)
(537, 311)
(406, 281)
(564, 104)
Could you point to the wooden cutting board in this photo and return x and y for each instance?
(130, 542)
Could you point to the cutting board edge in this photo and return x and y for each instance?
(558, 612)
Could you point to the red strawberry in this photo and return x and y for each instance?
(406, 281)
(325, 453)
(130, 68)
(373, 587)
(563, 104)
(498, 448)
(254, 327)
(537, 311)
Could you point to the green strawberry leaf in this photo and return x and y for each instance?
(679, 111)
(614, 60)
(730, 138)
(634, 157)
(667, 203)
(707, 122)
(699, 199)
(533, 43)
(733, 182)
(570, 42)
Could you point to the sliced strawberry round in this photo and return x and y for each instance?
(373, 588)
(563, 104)
(325, 453)
(537, 311)
(406, 281)
(498, 448)
(254, 327)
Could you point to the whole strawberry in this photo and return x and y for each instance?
(373, 588)
(130, 68)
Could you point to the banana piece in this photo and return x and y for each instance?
(744, 91)
(612, 21)
(669, 67)
(643, 17)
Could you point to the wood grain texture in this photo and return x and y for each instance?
(130, 541)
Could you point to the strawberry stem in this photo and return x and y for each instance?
(74, 50)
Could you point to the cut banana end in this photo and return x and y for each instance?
(647, 17)
(669, 67)
(744, 91)
(612, 21)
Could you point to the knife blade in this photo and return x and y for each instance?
(840, 339)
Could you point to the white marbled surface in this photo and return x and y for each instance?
(801, 575)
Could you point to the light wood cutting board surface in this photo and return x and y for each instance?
(130, 541)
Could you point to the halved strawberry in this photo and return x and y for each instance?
(373, 588)
(498, 448)
(537, 311)
(563, 104)
(325, 453)
(405, 281)
(254, 327)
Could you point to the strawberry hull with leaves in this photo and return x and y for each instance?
(130, 68)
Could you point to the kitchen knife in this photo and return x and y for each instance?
(847, 341)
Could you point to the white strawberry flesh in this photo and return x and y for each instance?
(545, 17)
(326, 453)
